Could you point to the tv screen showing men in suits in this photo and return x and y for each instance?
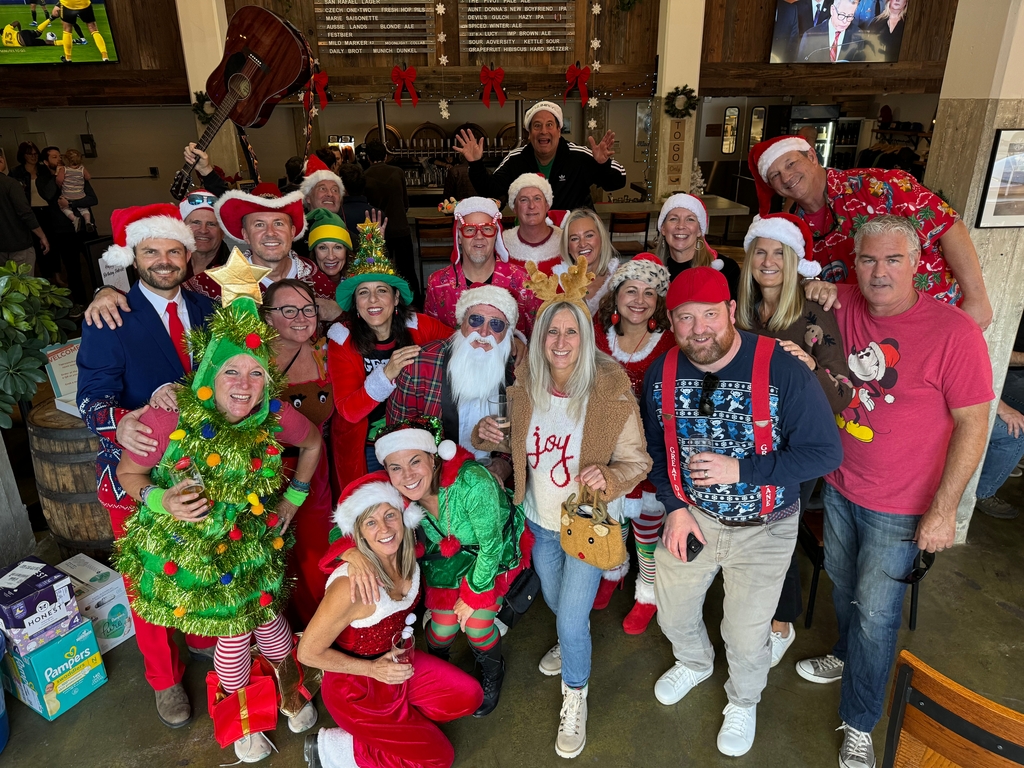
(838, 31)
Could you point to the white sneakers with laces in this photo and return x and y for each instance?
(304, 719)
(677, 682)
(551, 662)
(253, 748)
(857, 751)
(736, 736)
(781, 644)
(572, 722)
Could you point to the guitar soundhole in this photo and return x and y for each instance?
(239, 84)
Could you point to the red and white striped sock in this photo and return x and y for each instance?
(275, 639)
(233, 662)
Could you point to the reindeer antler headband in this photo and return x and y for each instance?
(573, 283)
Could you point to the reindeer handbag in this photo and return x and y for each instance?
(589, 534)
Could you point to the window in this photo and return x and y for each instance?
(729, 130)
(756, 126)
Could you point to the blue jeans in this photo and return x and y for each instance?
(1013, 389)
(569, 586)
(1004, 451)
(863, 549)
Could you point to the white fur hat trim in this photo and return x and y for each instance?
(526, 181)
(163, 227)
(776, 229)
(544, 106)
(486, 205)
(688, 202)
(499, 298)
(370, 495)
(777, 150)
(412, 439)
(316, 177)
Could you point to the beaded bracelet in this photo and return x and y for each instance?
(298, 485)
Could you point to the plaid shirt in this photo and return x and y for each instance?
(418, 387)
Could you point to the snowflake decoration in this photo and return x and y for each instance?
(596, 9)
(443, 60)
(591, 124)
(592, 102)
(439, 9)
(313, 112)
(596, 66)
(443, 105)
(441, 37)
(595, 43)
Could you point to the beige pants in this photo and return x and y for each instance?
(26, 256)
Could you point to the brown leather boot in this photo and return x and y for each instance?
(172, 706)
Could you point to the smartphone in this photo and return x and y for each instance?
(693, 547)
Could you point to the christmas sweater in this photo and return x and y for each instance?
(446, 285)
(545, 255)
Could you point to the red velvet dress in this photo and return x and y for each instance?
(392, 726)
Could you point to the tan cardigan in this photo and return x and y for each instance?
(613, 435)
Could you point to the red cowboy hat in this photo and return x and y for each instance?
(234, 206)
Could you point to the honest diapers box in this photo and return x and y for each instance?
(37, 604)
(100, 594)
(56, 676)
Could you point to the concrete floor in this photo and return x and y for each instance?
(971, 627)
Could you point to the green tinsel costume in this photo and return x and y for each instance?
(223, 575)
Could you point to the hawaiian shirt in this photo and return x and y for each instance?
(446, 285)
(860, 194)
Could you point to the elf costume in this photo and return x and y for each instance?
(222, 576)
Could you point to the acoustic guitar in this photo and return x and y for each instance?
(265, 59)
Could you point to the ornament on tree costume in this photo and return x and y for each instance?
(369, 265)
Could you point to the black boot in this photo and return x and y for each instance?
(492, 666)
(444, 654)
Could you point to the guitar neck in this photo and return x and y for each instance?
(217, 121)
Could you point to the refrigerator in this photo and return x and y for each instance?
(823, 119)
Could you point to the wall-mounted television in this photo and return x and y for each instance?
(64, 33)
(839, 31)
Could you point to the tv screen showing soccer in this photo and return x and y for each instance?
(65, 32)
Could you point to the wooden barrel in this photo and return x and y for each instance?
(64, 458)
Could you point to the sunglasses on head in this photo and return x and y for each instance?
(200, 198)
(922, 563)
(470, 230)
(707, 389)
(288, 312)
(496, 325)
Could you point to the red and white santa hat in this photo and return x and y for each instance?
(645, 267)
(689, 203)
(492, 296)
(543, 106)
(527, 180)
(413, 437)
(790, 230)
(315, 172)
(760, 159)
(235, 205)
(141, 222)
(367, 492)
(470, 205)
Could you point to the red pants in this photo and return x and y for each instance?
(391, 725)
(312, 526)
(159, 651)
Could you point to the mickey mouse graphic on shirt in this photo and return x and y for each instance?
(873, 375)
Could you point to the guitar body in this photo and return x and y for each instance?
(257, 35)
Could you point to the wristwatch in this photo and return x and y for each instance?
(144, 493)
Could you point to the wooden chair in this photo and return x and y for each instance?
(629, 224)
(937, 723)
(434, 243)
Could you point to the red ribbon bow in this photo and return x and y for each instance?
(577, 78)
(404, 78)
(492, 78)
(318, 82)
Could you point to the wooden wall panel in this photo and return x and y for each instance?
(150, 67)
(738, 40)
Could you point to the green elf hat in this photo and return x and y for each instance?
(235, 329)
(370, 265)
(326, 227)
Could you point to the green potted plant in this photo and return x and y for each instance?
(33, 315)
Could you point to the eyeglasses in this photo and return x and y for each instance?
(470, 230)
(496, 325)
(707, 389)
(845, 16)
(289, 312)
(200, 198)
(922, 563)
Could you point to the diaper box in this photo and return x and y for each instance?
(37, 604)
(56, 676)
(101, 596)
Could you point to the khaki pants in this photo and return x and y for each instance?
(25, 256)
(753, 562)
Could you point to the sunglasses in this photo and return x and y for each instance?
(496, 325)
(707, 389)
(922, 563)
(470, 230)
(200, 198)
(289, 312)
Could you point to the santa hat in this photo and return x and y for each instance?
(235, 205)
(141, 222)
(543, 106)
(790, 230)
(527, 180)
(367, 492)
(470, 205)
(887, 355)
(760, 159)
(492, 296)
(316, 172)
(198, 200)
(414, 435)
(645, 267)
(688, 202)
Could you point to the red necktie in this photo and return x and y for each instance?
(834, 50)
(177, 331)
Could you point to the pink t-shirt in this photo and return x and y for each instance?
(909, 371)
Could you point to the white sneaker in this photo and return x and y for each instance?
(551, 662)
(304, 720)
(572, 722)
(821, 669)
(736, 736)
(857, 750)
(781, 644)
(677, 682)
(253, 748)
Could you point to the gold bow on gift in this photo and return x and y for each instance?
(573, 284)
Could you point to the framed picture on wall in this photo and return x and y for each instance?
(1002, 200)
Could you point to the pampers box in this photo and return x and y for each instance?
(101, 597)
(37, 604)
(55, 677)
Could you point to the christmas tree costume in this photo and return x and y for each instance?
(224, 575)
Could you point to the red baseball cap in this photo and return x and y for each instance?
(703, 284)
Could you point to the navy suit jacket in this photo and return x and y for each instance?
(814, 45)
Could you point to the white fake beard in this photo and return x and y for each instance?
(475, 373)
